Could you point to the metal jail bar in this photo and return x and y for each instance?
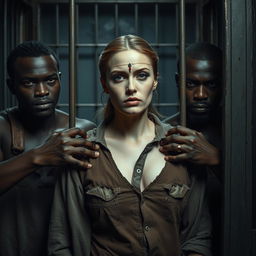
(97, 43)
(72, 64)
(182, 42)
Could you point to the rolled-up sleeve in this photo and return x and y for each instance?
(196, 232)
(69, 229)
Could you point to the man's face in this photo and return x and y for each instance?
(36, 85)
(203, 86)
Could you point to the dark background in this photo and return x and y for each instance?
(228, 24)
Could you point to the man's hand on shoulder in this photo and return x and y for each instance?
(184, 144)
(66, 147)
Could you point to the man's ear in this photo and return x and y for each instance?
(177, 79)
(103, 83)
(11, 85)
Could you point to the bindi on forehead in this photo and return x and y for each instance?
(129, 67)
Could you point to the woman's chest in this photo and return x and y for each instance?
(143, 163)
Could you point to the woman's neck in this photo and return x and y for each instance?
(131, 127)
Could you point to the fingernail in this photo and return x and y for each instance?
(96, 154)
(89, 166)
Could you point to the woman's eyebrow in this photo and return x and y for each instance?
(118, 72)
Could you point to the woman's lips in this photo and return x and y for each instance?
(132, 102)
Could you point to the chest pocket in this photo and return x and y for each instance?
(170, 199)
(102, 205)
(102, 196)
(176, 191)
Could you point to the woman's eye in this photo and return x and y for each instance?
(143, 75)
(117, 78)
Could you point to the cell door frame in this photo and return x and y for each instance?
(238, 230)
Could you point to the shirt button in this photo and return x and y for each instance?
(147, 228)
(138, 171)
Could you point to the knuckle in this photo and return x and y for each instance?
(172, 137)
(192, 139)
(173, 146)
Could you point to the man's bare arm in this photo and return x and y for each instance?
(68, 147)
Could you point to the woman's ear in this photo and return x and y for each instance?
(155, 83)
(103, 83)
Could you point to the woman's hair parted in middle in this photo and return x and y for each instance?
(123, 43)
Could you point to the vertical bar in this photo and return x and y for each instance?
(57, 38)
(136, 11)
(156, 24)
(72, 63)
(182, 42)
(96, 14)
(21, 27)
(212, 25)
(77, 22)
(177, 21)
(199, 18)
(77, 49)
(5, 53)
(116, 20)
(38, 21)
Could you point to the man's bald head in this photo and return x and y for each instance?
(204, 51)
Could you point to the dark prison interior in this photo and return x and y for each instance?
(228, 24)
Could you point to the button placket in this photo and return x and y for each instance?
(138, 171)
(147, 228)
(139, 165)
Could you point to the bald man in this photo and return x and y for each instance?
(199, 143)
(32, 149)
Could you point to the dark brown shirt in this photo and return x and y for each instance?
(122, 219)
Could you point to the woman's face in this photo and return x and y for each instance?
(130, 82)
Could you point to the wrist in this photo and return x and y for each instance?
(215, 159)
(36, 158)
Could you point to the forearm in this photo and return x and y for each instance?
(16, 168)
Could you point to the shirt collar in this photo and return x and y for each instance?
(97, 134)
